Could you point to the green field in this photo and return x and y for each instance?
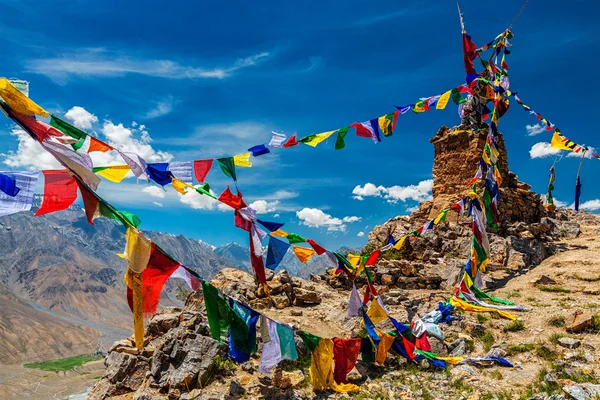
(63, 364)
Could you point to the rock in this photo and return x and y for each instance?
(464, 372)
(569, 343)
(125, 370)
(248, 367)
(387, 280)
(496, 352)
(161, 323)
(283, 277)
(286, 380)
(296, 313)
(304, 296)
(526, 235)
(280, 301)
(235, 389)
(543, 280)
(458, 347)
(578, 321)
(583, 391)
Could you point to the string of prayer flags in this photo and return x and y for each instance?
(277, 140)
(316, 247)
(368, 129)
(114, 173)
(340, 139)
(345, 355)
(259, 150)
(387, 123)
(294, 238)
(242, 160)
(60, 191)
(276, 252)
(562, 143)
(314, 140)
(12, 200)
(303, 253)
(201, 169)
(291, 142)
(227, 165)
(18, 101)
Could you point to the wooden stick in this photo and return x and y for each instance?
(517, 16)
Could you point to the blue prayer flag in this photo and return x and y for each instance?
(9, 185)
(276, 251)
(271, 226)
(259, 150)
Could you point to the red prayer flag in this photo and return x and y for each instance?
(318, 249)
(291, 141)
(345, 354)
(201, 168)
(241, 222)
(159, 269)
(60, 191)
(257, 263)
(90, 203)
(231, 199)
(98, 145)
(373, 257)
(409, 347)
(468, 53)
(422, 343)
(40, 129)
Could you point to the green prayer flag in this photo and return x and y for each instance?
(341, 135)
(205, 189)
(343, 259)
(456, 97)
(124, 217)
(218, 312)
(70, 130)
(483, 295)
(307, 138)
(368, 273)
(310, 341)
(388, 129)
(481, 256)
(228, 167)
(295, 238)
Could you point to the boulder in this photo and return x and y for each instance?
(306, 297)
(161, 323)
(280, 301)
(578, 321)
(569, 343)
(543, 280)
(584, 391)
(125, 370)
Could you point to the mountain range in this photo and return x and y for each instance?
(61, 281)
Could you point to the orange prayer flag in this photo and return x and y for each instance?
(98, 145)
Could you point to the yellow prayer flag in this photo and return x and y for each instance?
(451, 360)
(354, 259)
(17, 101)
(134, 281)
(181, 186)
(137, 250)
(303, 253)
(279, 232)
(318, 138)
(463, 305)
(562, 143)
(321, 369)
(486, 158)
(443, 100)
(497, 175)
(242, 160)
(114, 173)
(385, 343)
(400, 242)
(441, 216)
(376, 312)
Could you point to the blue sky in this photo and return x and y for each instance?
(210, 79)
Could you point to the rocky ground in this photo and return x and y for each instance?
(555, 345)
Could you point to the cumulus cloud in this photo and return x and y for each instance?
(393, 194)
(412, 209)
(590, 205)
(360, 234)
(29, 154)
(542, 149)
(588, 153)
(316, 218)
(155, 191)
(533, 130)
(81, 118)
(263, 206)
(102, 63)
(199, 201)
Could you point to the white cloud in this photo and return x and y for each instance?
(158, 204)
(276, 215)
(29, 154)
(533, 130)
(102, 63)
(316, 218)
(199, 201)
(541, 150)
(560, 204)
(81, 118)
(588, 153)
(412, 209)
(263, 206)
(590, 205)
(155, 191)
(393, 194)
(161, 108)
(223, 207)
(360, 234)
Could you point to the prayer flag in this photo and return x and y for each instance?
(91, 204)
(257, 262)
(72, 131)
(60, 191)
(97, 145)
(159, 173)
(303, 253)
(227, 165)
(276, 252)
(114, 173)
(441, 216)
(354, 303)
(137, 250)
(270, 226)
(291, 141)
(8, 185)
(22, 200)
(259, 150)
(443, 100)
(321, 370)
(232, 200)
(387, 123)
(182, 170)
(277, 140)
(577, 192)
(373, 257)
(345, 355)
(294, 238)
(201, 169)
(386, 342)
(242, 332)
(400, 242)
(180, 186)
(79, 164)
(242, 160)
(340, 139)
(279, 232)
(218, 311)
(318, 249)
(562, 143)
(368, 129)
(314, 140)
(468, 53)
(136, 163)
(17, 101)
(271, 351)
(376, 312)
